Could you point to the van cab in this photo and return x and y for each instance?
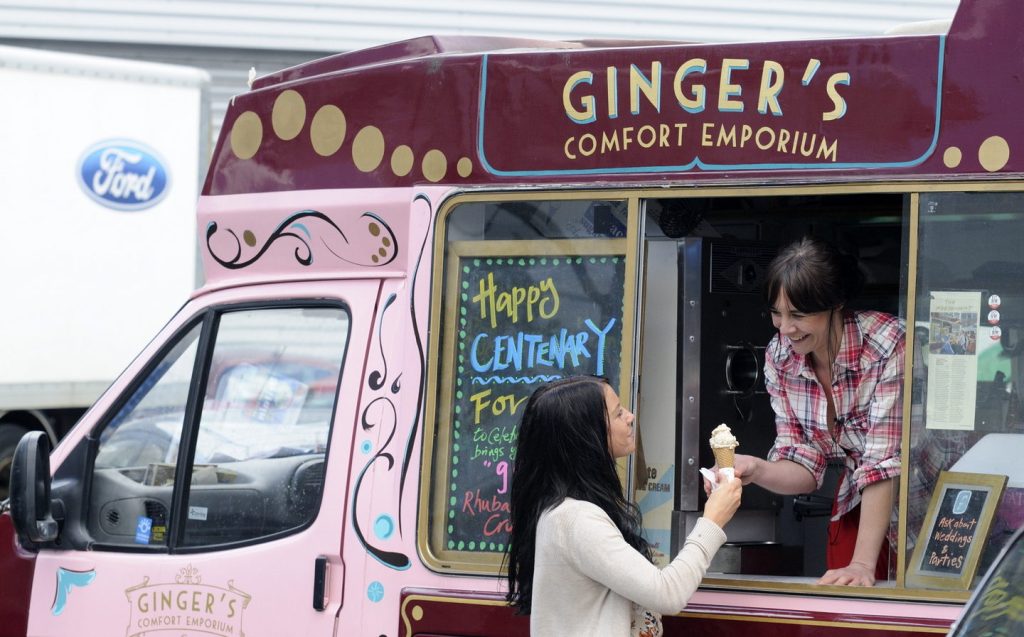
(401, 244)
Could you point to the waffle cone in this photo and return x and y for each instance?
(724, 456)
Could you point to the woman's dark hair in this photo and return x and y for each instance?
(815, 276)
(563, 453)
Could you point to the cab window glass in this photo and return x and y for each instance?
(966, 411)
(135, 465)
(259, 456)
(256, 447)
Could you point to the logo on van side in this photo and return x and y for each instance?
(187, 605)
(123, 175)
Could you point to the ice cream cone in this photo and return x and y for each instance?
(724, 457)
(723, 445)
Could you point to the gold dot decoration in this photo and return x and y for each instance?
(952, 157)
(401, 160)
(434, 166)
(327, 130)
(417, 613)
(375, 231)
(993, 153)
(249, 238)
(289, 115)
(368, 149)
(246, 135)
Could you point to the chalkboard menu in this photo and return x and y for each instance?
(956, 525)
(518, 314)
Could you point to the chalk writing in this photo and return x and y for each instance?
(526, 351)
(953, 532)
(522, 321)
(540, 300)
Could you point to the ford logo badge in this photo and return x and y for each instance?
(123, 175)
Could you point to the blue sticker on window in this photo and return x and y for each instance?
(143, 529)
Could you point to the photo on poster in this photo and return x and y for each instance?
(953, 359)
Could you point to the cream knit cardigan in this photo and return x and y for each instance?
(586, 575)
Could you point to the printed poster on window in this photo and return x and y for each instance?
(655, 495)
(952, 359)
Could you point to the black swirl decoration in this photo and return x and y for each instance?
(378, 378)
(377, 248)
(393, 559)
(380, 239)
(420, 390)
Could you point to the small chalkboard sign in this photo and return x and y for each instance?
(519, 314)
(954, 531)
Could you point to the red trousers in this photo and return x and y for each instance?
(842, 539)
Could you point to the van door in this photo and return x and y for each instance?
(208, 499)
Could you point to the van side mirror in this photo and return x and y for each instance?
(30, 490)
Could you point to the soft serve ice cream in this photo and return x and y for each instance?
(723, 445)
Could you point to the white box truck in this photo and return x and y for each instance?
(100, 168)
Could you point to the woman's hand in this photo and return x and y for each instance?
(745, 468)
(855, 574)
(722, 504)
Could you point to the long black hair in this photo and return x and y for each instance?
(563, 453)
(816, 277)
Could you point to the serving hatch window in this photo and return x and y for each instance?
(531, 291)
(535, 289)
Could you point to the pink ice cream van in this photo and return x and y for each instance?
(400, 244)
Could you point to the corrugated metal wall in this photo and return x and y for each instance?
(227, 38)
(339, 25)
(228, 67)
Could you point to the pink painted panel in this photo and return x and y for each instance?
(305, 235)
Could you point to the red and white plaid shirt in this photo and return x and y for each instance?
(867, 389)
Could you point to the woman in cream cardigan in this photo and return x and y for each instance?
(577, 562)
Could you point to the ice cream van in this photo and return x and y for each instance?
(401, 243)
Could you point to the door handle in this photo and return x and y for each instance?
(321, 570)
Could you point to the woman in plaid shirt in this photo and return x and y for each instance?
(835, 378)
